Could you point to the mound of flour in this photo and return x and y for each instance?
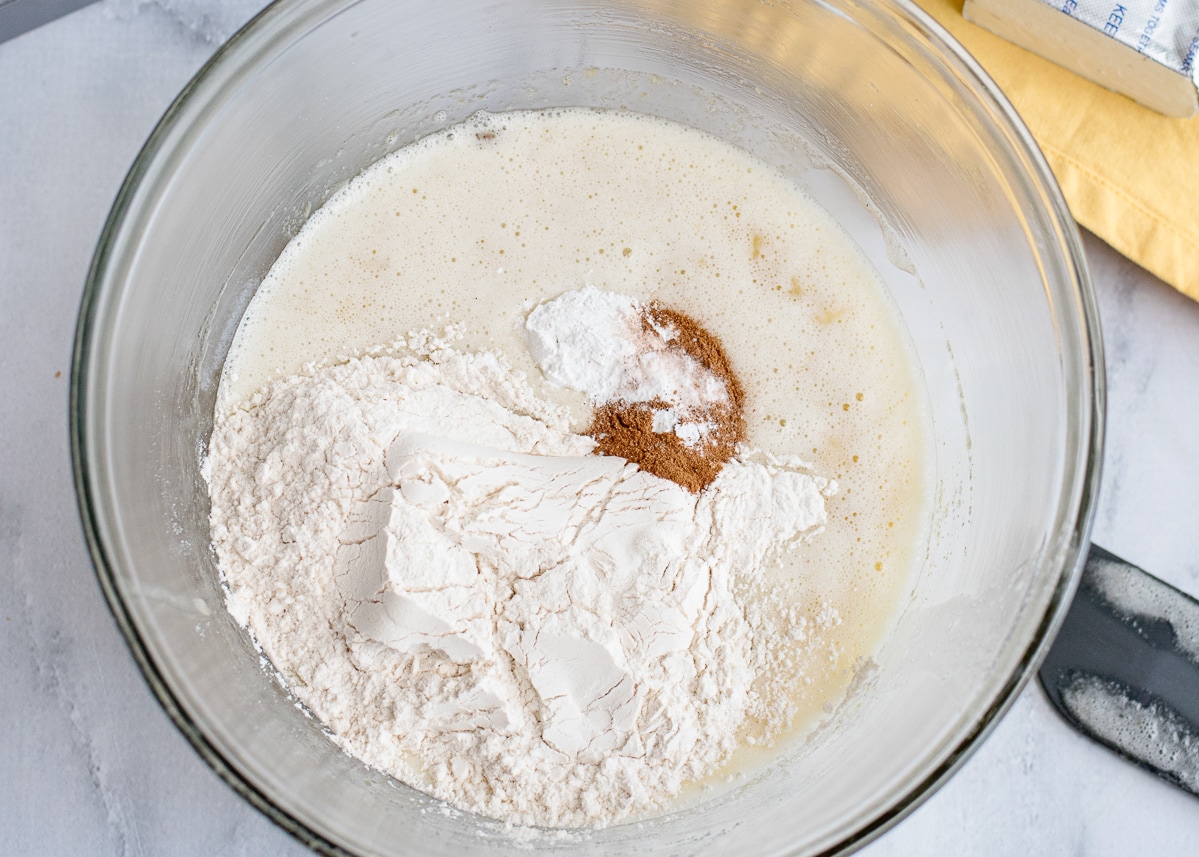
(473, 602)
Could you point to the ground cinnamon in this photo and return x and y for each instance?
(626, 429)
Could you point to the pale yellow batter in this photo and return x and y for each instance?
(476, 225)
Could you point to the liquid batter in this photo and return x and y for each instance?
(477, 225)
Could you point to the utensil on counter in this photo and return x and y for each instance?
(1124, 669)
(21, 16)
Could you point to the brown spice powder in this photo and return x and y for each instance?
(627, 430)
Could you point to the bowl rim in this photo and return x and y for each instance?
(174, 118)
(241, 50)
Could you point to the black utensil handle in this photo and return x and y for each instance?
(1124, 669)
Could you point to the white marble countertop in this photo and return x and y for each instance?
(91, 765)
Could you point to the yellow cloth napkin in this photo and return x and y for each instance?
(1129, 175)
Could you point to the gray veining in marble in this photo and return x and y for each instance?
(90, 765)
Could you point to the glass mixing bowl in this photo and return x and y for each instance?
(867, 105)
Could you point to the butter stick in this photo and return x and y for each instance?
(1145, 49)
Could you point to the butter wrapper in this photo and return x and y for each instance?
(1145, 49)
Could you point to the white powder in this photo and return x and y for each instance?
(598, 343)
(472, 602)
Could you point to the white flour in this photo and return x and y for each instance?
(472, 602)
